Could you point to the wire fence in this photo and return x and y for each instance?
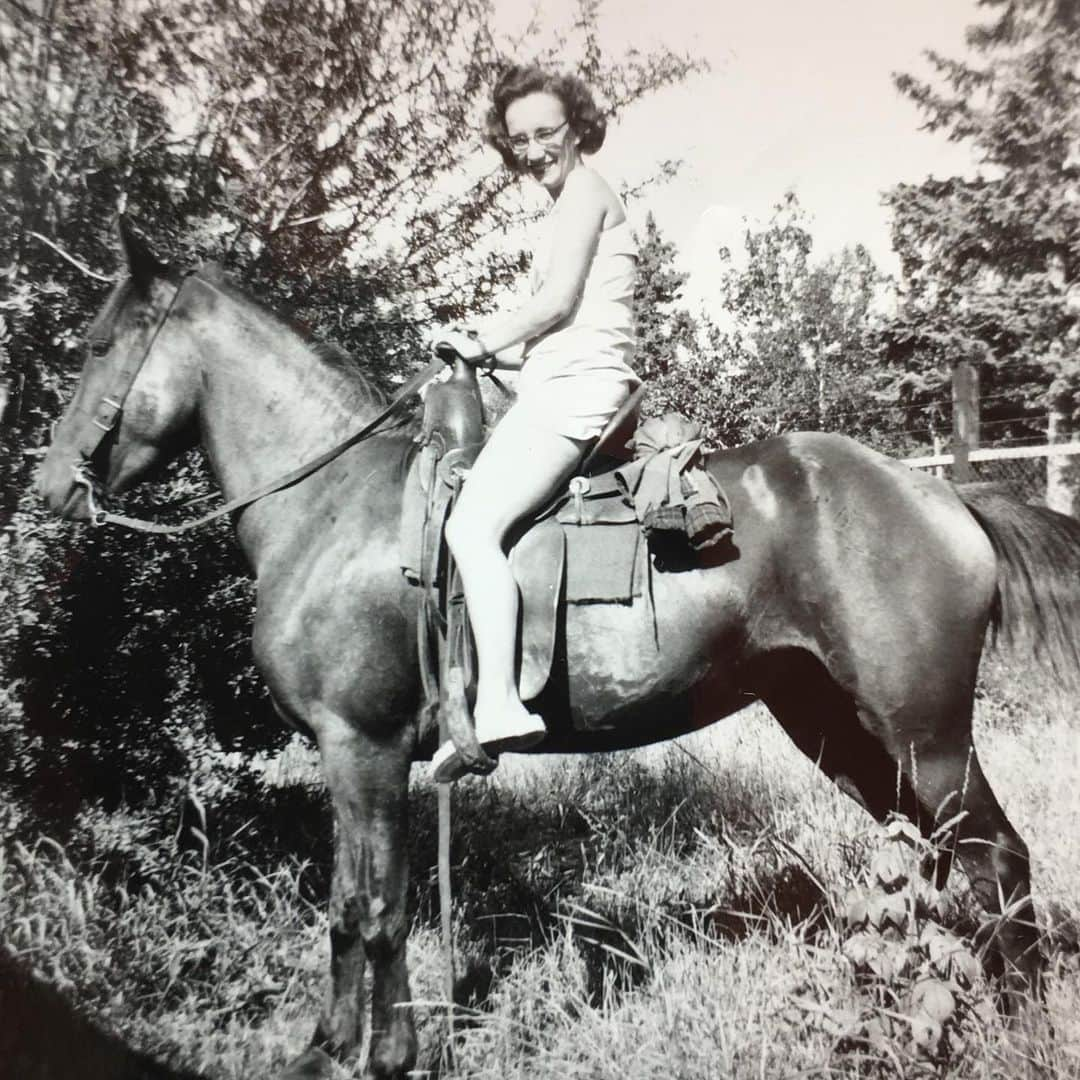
(1043, 474)
(1023, 477)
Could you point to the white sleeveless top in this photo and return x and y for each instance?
(597, 337)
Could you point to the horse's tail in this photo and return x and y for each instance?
(1037, 603)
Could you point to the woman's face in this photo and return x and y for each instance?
(542, 139)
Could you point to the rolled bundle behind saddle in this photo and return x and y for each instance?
(668, 486)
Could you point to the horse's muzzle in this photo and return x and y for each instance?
(68, 490)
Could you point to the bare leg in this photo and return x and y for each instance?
(515, 473)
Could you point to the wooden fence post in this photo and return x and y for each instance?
(965, 401)
(1060, 469)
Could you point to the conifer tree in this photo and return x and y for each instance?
(664, 327)
(990, 261)
(667, 356)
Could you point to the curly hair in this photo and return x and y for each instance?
(585, 118)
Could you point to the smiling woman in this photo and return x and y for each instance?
(577, 333)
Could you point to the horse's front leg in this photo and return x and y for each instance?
(369, 783)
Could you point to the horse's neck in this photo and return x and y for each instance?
(269, 403)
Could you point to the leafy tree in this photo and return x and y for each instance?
(795, 348)
(990, 261)
(119, 675)
(328, 151)
(70, 137)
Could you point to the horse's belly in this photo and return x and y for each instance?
(660, 655)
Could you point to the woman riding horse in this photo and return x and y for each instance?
(577, 329)
(855, 606)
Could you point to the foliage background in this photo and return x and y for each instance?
(327, 154)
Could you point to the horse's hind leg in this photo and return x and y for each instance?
(949, 784)
(931, 783)
(368, 781)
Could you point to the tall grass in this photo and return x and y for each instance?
(196, 962)
(677, 912)
(723, 949)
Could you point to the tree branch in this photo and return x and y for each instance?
(79, 265)
(25, 12)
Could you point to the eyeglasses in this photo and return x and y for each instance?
(542, 137)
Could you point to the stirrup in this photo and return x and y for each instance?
(447, 765)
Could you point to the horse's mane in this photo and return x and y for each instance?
(333, 355)
(328, 353)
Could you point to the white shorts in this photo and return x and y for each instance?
(577, 404)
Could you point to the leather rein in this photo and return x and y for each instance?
(104, 420)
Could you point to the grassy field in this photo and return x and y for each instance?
(685, 911)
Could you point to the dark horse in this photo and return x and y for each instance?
(856, 609)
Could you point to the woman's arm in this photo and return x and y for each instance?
(581, 209)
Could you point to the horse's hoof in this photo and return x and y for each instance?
(313, 1064)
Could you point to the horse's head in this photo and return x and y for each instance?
(135, 402)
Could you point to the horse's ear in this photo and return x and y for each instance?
(143, 265)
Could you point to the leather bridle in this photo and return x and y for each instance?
(105, 418)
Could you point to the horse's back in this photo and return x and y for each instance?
(805, 494)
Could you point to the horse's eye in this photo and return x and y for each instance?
(100, 347)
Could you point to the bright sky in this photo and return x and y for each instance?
(799, 96)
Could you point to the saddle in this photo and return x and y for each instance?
(589, 545)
